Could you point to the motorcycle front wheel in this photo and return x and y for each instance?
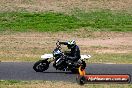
(41, 65)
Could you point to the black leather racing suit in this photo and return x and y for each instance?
(74, 53)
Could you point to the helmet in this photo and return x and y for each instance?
(71, 44)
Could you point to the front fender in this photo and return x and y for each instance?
(47, 56)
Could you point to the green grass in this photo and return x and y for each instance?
(96, 58)
(55, 84)
(20, 59)
(111, 58)
(10, 82)
(106, 20)
(37, 22)
(53, 22)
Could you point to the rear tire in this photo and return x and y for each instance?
(41, 65)
(81, 80)
(76, 71)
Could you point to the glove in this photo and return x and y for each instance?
(66, 57)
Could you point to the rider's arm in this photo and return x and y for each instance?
(76, 55)
(64, 43)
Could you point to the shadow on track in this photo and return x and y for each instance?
(58, 72)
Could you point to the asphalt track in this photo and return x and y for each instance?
(24, 71)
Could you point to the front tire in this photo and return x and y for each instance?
(41, 65)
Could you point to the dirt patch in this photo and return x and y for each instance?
(112, 42)
(32, 45)
(63, 5)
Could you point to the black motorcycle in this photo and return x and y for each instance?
(59, 61)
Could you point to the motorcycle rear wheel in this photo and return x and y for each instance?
(41, 65)
(75, 70)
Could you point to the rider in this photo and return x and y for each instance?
(75, 51)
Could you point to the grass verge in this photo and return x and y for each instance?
(111, 58)
(42, 22)
(55, 84)
(50, 21)
(96, 58)
(106, 20)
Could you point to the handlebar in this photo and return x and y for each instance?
(58, 45)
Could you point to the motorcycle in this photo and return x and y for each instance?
(59, 61)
